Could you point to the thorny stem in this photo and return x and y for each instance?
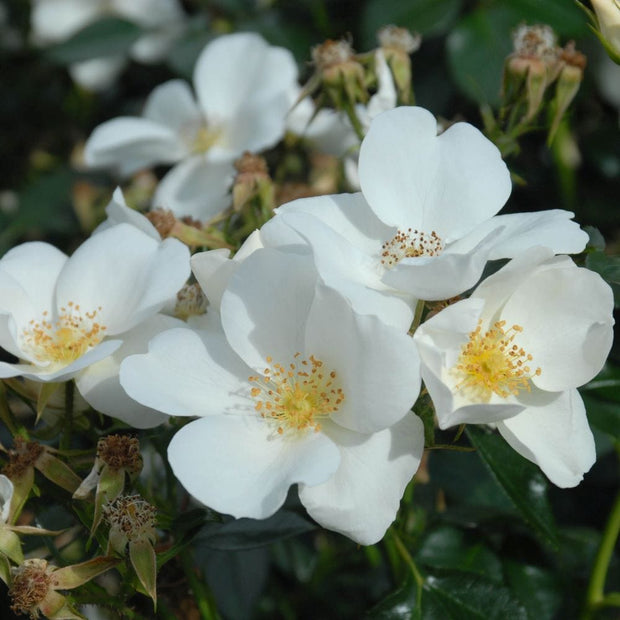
(595, 597)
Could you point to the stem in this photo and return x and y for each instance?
(595, 594)
(65, 438)
(406, 556)
(355, 121)
(202, 596)
(417, 317)
(5, 413)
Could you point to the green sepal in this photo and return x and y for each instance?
(57, 471)
(10, 545)
(70, 577)
(144, 562)
(5, 569)
(110, 486)
(45, 394)
(56, 607)
(21, 490)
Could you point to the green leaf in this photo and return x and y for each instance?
(107, 37)
(603, 415)
(596, 240)
(608, 267)
(449, 548)
(428, 17)
(402, 604)
(521, 480)
(242, 534)
(537, 589)
(564, 17)
(464, 597)
(44, 206)
(477, 48)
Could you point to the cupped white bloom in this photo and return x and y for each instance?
(60, 315)
(440, 193)
(242, 87)
(513, 354)
(295, 388)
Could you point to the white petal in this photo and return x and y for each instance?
(55, 20)
(149, 13)
(118, 212)
(242, 71)
(385, 98)
(439, 342)
(34, 268)
(51, 372)
(566, 316)
(518, 232)
(556, 437)
(185, 376)
(413, 178)
(265, 307)
(173, 105)
(362, 498)
(124, 272)
(97, 74)
(238, 466)
(440, 277)
(100, 386)
(6, 495)
(346, 267)
(130, 143)
(197, 188)
(376, 365)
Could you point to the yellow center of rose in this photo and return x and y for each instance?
(491, 363)
(68, 338)
(410, 244)
(296, 398)
(204, 138)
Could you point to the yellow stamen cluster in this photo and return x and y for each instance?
(68, 338)
(410, 244)
(132, 517)
(490, 363)
(296, 398)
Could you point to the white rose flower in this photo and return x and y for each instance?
(296, 389)
(424, 225)
(243, 89)
(72, 317)
(514, 353)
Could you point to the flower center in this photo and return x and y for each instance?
(490, 363)
(296, 398)
(410, 244)
(65, 340)
(205, 137)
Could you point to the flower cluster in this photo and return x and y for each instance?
(299, 360)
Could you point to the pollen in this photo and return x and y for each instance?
(410, 244)
(64, 340)
(297, 397)
(491, 363)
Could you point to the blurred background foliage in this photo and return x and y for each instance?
(489, 544)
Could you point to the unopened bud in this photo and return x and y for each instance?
(191, 301)
(397, 44)
(252, 183)
(532, 67)
(340, 72)
(608, 18)
(568, 84)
